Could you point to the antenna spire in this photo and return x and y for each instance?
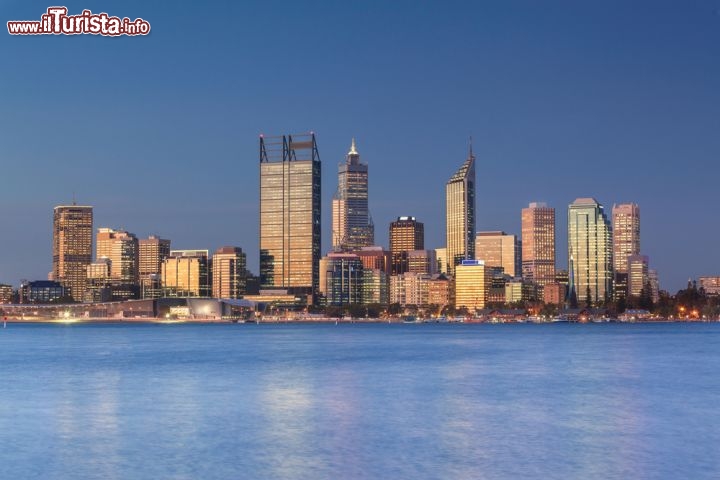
(470, 152)
(353, 150)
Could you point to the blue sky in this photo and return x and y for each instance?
(619, 100)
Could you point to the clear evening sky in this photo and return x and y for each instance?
(618, 100)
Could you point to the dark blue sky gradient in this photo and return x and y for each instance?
(617, 100)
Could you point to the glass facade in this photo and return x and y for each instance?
(589, 252)
(342, 276)
(352, 226)
(121, 248)
(472, 284)
(406, 234)
(538, 243)
(498, 249)
(290, 214)
(185, 273)
(228, 273)
(72, 247)
(460, 214)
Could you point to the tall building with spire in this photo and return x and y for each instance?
(538, 243)
(290, 214)
(460, 214)
(352, 226)
(589, 252)
(72, 247)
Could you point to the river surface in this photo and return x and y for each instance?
(359, 401)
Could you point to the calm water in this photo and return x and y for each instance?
(359, 401)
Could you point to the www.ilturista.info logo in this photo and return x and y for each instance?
(57, 22)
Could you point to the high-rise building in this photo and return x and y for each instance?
(375, 284)
(711, 285)
(538, 243)
(410, 289)
(460, 214)
(406, 234)
(626, 242)
(589, 251)
(72, 247)
(290, 214)
(499, 249)
(186, 273)
(228, 273)
(121, 248)
(637, 271)
(654, 285)
(341, 279)
(352, 226)
(472, 284)
(152, 252)
(554, 293)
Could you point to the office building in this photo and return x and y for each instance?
(711, 285)
(375, 258)
(499, 249)
(472, 285)
(442, 260)
(121, 248)
(637, 279)
(626, 242)
(352, 226)
(589, 252)
(406, 234)
(422, 261)
(554, 293)
(186, 273)
(290, 214)
(538, 243)
(375, 287)
(460, 214)
(228, 273)
(72, 247)
(341, 279)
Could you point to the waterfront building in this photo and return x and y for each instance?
(637, 279)
(98, 286)
(72, 247)
(422, 261)
(341, 279)
(626, 242)
(472, 284)
(460, 214)
(538, 243)
(352, 226)
(589, 252)
(442, 260)
(439, 290)
(410, 289)
(42, 291)
(228, 273)
(121, 248)
(290, 216)
(375, 258)
(6, 294)
(711, 285)
(375, 287)
(499, 249)
(186, 273)
(406, 234)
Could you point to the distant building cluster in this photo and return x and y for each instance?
(471, 271)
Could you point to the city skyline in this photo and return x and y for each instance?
(616, 103)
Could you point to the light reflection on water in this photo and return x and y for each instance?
(359, 401)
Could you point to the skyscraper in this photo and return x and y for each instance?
(352, 226)
(626, 242)
(499, 249)
(152, 253)
(637, 275)
(290, 213)
(228, 272)
(121, 248)
(472, 284)
(538, 243)
(589, 251)
(406, 234)
(460, 214)
(72, 247)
